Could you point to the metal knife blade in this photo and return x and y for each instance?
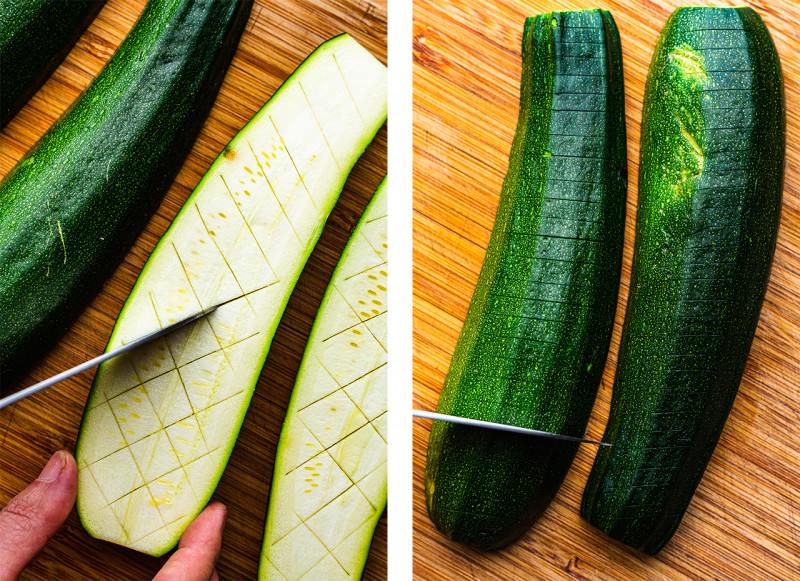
(504, 427)
(22, 394)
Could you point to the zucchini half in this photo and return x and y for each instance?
(329, 485)
(160, 422)
(712, 159)
(537, 332)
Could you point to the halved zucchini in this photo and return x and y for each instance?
(329, 485)
(160, 422)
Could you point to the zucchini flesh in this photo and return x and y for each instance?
(538, 328)
(71, 208)
(161, 421)
(328, 490)
(712, 157)
(35, 36)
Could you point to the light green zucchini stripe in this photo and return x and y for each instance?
(160, 423)
(329, 485)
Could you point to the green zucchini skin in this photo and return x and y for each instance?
(35, 36)
(73, 206)
(712, 162)
(538, 328)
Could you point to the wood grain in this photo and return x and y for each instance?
(279, 35)
(744, 521)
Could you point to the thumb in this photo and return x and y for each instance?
(36, 513)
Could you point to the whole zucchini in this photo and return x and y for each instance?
(712, 158)
(537, 332)
(72, 207)
(35, 36)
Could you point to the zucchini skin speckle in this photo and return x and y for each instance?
(712, 162)
(537, 332)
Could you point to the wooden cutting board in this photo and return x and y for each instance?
(744, 520)
(279, 35)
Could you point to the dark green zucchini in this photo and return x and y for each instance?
(537, 332)
(72, 207)
(35, 36)
(712, 158)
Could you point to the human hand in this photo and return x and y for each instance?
(36, 513)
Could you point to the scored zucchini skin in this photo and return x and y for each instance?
(538, 328)
(71, 208)
(35, 36)
(712, 162)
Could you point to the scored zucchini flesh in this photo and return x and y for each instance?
(161, 421)
(710, 181)
(329, 486)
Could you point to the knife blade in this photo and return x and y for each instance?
(22, 394)
(504, 427)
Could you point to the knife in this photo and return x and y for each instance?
(504, 427)
(22, 394)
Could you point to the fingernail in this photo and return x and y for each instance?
(53, 468)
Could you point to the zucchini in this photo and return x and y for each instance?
(161, 421)
(328, 489)
(538, 328)
(712, 157)
(71, 208)
(35, 36)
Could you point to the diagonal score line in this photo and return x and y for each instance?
(133, 458)
(359, 408)
(377, 431)
(225, 260)
(354, 325)
(383, 464)
(367, 240)
(349, 92)
(366, 270)
(286, 149)
(108, 504)
(239, 209)
(325, 137)
(275, 195)
(186, 272)
(378, 341)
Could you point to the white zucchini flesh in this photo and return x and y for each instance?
(161, 421)
(329, 484)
